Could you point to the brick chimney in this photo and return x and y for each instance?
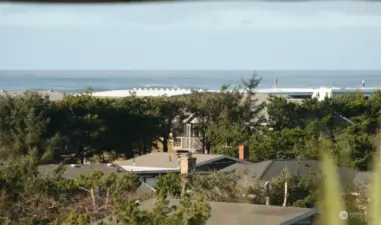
(243, 152)
(187, 163)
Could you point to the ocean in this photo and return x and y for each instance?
(78, 81)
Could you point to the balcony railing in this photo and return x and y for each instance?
(193, 143)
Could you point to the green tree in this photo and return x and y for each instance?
(82, 124)
(166, 109)
(225, 137)
(23, 124)
(282, 114)
(230, 105)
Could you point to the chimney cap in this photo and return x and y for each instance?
(182, 151)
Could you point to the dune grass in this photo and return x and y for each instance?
(331, 207)
(375, 199)
(331, 204)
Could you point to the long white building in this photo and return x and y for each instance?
(296, 93)
(293, 93)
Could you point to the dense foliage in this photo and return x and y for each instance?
(30, 197)
(83, 126)
(35, 130)
(300, 126)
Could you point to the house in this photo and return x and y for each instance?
(153, 164)
(190, 137)
(157, 162)
(269, 169)
(247, 214)
(75, 170)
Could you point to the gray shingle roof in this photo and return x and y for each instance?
(253, 170)
(241, 213)
(293, 166)
(168, 160)
(363, 180)
(142, 192)
(269, 169)
(363, 177)
(73, 172)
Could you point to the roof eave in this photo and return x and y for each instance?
(300, 217)
(223, 157)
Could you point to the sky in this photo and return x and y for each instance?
(192, 35)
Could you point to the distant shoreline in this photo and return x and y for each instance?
(262, 94)
(78, 81)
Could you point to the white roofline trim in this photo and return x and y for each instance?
(146, 168)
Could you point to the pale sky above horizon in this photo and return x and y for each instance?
(194, 35)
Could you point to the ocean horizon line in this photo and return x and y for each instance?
(122, 80)
(83, 90)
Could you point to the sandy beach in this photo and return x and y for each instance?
(54, 95)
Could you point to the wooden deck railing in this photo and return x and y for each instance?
(195, 143)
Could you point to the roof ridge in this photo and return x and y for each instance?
(266, 169)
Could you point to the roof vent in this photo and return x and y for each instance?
(74, 165)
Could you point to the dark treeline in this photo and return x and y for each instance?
(74, 127)
(83, 126)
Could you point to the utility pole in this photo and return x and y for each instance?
(285, 194)
(267, 187)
